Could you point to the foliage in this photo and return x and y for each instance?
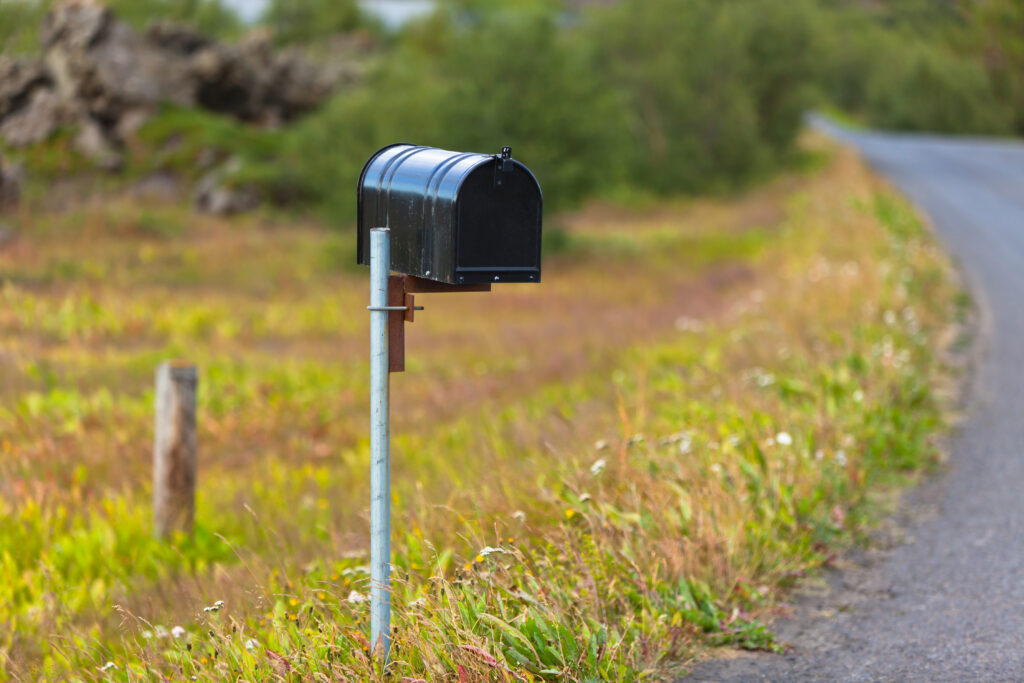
(303, 21)
(20, 19)
(715, 90)
(576, 497)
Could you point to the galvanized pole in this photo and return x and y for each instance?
(380, 457)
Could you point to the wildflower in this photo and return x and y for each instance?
(601, 445)
(598, 467)
(585, 498)
(519, 516)
(468, 567)
(819, 454)
(215, 607)
(488, 550)
(784, 439)
(685, 324)
(635, 439)
(570, 513)
(356, 597)
(293, 602)
(178, 632)
(108, 666)
(841, 458)
(251, 644)
(147, 635)
(322, 595)
(858, 396)
(716, 468)
(478, 559)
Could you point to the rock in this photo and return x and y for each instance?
(11, 178)
(161, 186)
(176, 38)
(107, 66)
(216, 195)
(76, 24)
(92, 142)
(18, 79)
(36, 121)
(103, 78)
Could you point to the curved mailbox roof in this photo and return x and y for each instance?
(455, 217)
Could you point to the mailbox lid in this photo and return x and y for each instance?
(452, 217)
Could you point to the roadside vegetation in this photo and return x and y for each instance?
(734, 383)
(735, 358)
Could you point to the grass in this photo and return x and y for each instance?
(595, 478)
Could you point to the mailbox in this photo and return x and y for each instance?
(454, 217)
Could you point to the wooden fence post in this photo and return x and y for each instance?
(174, 450)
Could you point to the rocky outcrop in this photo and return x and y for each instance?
(103, 78)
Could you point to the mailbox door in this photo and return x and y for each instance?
(498, 232)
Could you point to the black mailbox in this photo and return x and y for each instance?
(454, 217)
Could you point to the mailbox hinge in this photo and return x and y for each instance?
(503, 164)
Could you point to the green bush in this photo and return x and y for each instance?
(506, 79)
(302, 21)
(715, 90)
(931, 90)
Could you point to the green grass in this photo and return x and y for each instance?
(596, 478)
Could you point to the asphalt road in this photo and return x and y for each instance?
(946, 603)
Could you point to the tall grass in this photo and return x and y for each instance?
(578, 494)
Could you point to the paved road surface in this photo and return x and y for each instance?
(947, 605)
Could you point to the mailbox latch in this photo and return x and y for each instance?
(503, 164)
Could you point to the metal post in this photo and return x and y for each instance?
(380, 457)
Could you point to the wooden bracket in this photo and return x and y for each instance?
(400, 293)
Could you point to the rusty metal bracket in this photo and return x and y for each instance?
(402, 308)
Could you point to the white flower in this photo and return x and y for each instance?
(355, 597)
(819, 454)
(784, 439)
(841, 458)
(519, 516)
(585, 498)
(600, 445)
(108, 666)
(215, 607)
(716, 468)
(598, 466)
(160, 632)
(251, 644)
(858, 396)
(685, 324)
(488, 550)
(147, 635)
(178, 632)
